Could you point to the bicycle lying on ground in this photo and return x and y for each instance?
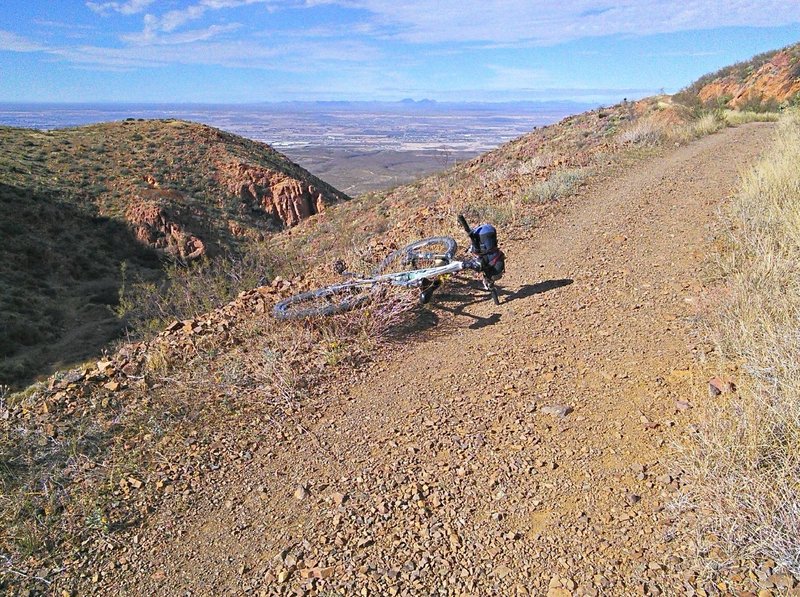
(423, 265)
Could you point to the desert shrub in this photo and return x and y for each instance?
(746, 459)
(642, 132)
(759, 104)
(737, 117)
(560, 184)
(190, 290)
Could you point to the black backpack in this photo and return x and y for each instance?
(487, 247)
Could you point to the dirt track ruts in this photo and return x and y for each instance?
(442, 473)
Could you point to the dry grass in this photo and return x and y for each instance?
(559, 184)
(737, 117)
(746, 461)
(644, 131)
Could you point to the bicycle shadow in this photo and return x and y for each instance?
(419, 319)
(462, 294)
(529, 290)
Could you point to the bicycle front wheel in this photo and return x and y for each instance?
(428, 252)
(321, 302)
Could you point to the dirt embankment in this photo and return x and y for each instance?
(519, 449)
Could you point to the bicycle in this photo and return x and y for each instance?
(488, 261)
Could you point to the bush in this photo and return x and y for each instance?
(560, 184)
(642, 132)
(192, 290)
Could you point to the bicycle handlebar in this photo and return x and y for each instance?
(463, 221)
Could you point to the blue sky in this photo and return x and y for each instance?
(241, 51)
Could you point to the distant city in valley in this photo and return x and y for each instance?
(355, 146)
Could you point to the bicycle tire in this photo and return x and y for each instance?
(323, 301)
(405, 258)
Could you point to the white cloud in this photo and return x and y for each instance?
(546, 22)
(11, 42)
(131, 7)
(174, 19)
(184, 37)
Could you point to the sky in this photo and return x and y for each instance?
(247, 51)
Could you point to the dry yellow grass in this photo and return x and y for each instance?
(746, 461)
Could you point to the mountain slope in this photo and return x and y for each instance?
(764, 82)
(78, 203)
(447, 462)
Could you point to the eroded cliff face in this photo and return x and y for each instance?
(157, 222)
(285, 198)
(777, 80)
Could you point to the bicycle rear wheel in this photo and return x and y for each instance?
(324, 301)
(420, 254)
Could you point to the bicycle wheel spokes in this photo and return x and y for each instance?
(428, 252)
(325, 301)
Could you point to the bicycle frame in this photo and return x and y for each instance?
(407, 279)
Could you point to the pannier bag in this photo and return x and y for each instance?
(496, 260)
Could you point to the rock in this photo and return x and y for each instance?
(301, 492)
(718, 385)
(283, 197)
(632, 498)
(556, 410)
(682, 405)
(174, 326)
(339, 498)
(163, 228)
(502, 571)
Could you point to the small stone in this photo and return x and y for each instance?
(283, 576)
(301, 492)
(339, 498)
(682, 405)
(502, 571)
(556, 410)
(632, 498)
(323, 573)
(718, 385)
(664, 479)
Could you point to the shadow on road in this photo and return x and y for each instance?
(529, 290)
(461, 294)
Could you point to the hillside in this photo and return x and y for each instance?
(75, 204)
(764, 82)
(526, 448)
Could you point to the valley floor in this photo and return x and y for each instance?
(526, 448)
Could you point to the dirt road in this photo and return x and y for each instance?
(525, 448)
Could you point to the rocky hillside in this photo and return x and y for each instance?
(765, 82)
(76, 204)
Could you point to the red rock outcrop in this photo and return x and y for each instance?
(776, 80)
(284, 197)
(154, 225)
